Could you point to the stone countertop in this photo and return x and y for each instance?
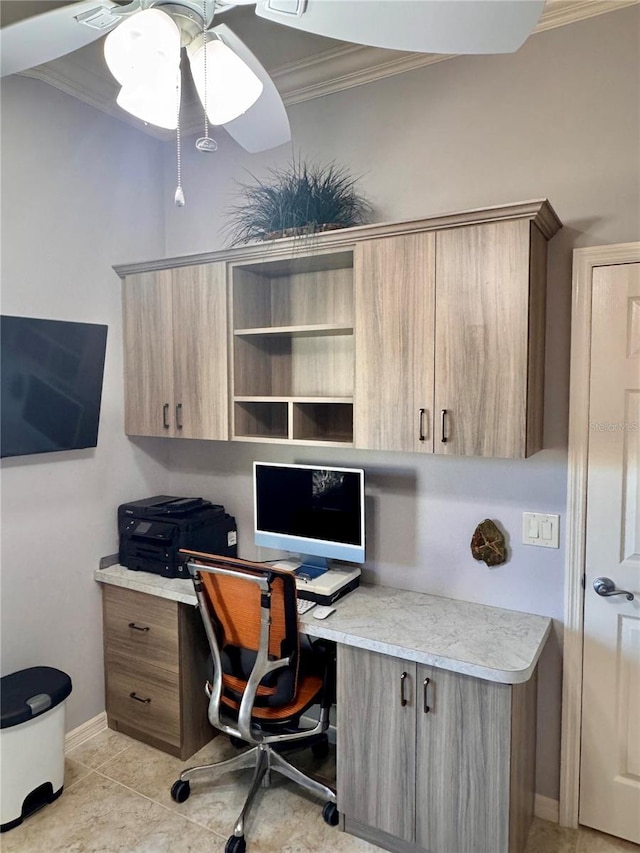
(473, 639)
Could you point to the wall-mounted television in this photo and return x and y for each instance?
(51, 375)
(316, 511)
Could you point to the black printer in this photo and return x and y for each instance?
(153, 530)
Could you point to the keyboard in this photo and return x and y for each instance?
(303, 605)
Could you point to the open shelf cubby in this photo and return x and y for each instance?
(293, 348)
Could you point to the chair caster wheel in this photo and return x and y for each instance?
(320, 749)
(330, 814)
(235, 844)
(180, 790)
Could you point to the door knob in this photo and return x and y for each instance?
(606, 587)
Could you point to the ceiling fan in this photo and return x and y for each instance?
(146, 37)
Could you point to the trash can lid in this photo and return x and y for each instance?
(31, 692)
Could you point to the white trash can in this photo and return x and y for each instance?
(31, 741)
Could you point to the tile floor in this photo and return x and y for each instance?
(116, 800)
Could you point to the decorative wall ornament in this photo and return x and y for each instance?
(488, 544)
(301, 198)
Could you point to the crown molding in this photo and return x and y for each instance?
(92, 89)
(321, 74)
(344, 68)
(558, 13)
(354, 65)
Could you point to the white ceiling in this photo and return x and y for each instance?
(303, 65)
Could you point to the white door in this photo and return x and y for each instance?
(610, 747)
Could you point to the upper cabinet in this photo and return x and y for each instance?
(489, 340)
(175, 352)
(395, 313)
(423, 336)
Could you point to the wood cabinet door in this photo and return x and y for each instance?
(148, 353)
(376, 737)
(481, 341)
(394, 318)
(200, 352)
(463, 765)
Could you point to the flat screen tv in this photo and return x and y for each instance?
(51, 375)
(313, 510)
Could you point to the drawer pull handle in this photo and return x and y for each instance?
(165, 412)
(146, 701)
(425, 687)
(403, 678)
(421, 435)
(444, 437)
(179, 416)
(138, 627)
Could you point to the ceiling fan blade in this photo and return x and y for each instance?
(266, 123)
(39, 39)
(424, 26)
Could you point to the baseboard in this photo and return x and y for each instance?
(85, 731)
(546, 808)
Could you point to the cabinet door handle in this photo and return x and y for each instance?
(146, 701)
(403, 700)
(421, 435)
(139, 627)
(425, 687)
(165, 414)
(443, 429)
(179, 416)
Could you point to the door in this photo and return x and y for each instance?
(463, 763)
(376, 734)
(610, 743)
(199, 310)
(482, 339)
(148, 353)
(394, 319)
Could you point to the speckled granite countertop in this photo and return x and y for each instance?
(486, 642)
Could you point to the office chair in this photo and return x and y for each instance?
(262, 684)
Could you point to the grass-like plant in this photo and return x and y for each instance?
(301, 198)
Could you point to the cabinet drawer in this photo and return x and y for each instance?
(141, 626)
(156, 710)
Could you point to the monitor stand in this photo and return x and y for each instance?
(311, 567)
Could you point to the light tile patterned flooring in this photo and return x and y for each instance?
(116, 800)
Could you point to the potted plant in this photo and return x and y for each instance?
(301, 198)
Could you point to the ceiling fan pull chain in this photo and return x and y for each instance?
(179, 196)
(205, 143)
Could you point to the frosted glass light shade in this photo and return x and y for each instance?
(142, 46)
(232, 87)
(153, 101)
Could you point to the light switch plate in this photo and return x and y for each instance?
(541, 528)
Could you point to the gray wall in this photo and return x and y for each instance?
(81, 192)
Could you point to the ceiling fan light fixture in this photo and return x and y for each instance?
(232, 87)
(154, 102)
(142, 46)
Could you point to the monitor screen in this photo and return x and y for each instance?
(51, 384)
(311, 510)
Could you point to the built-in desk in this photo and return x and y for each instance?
(436, 715)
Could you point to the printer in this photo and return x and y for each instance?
(153, 530)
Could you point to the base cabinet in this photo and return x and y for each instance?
(155, 657)
(432, 760)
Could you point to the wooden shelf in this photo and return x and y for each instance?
(311, 330)
(265, 398)
(293, 349)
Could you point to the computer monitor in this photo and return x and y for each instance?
(315, 511)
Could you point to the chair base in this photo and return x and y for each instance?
(264, 759)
